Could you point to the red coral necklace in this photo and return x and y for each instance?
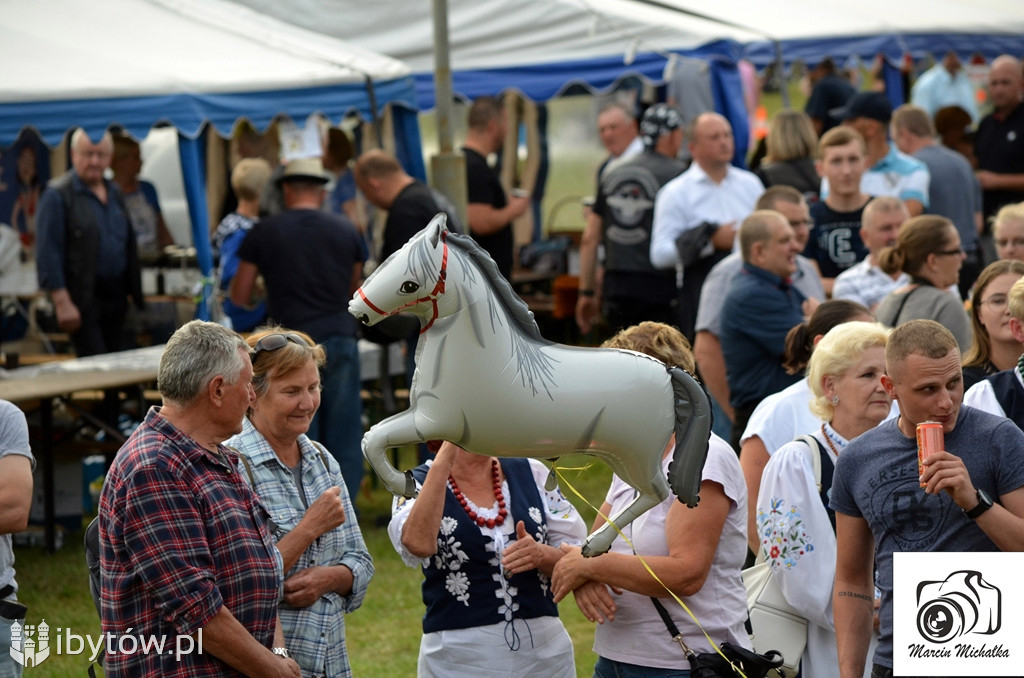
(498, 495)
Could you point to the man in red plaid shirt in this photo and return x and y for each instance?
(190, 575)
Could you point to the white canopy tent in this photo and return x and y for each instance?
(188, 64)
(540, 47)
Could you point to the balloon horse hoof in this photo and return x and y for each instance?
(488, 381)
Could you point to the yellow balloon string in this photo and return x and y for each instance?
(562, 480)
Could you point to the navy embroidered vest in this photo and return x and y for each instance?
(1009, 394)
(463, 586)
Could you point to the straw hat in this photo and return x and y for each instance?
(305, 169)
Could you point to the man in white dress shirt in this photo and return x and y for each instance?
(711, 195)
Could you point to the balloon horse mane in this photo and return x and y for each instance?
(487, 381)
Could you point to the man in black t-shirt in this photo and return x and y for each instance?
(490, 212)
(312, 263)
(835, 243)
(999, 143)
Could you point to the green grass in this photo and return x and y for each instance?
(383, 635)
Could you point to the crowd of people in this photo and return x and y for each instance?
(830, 302)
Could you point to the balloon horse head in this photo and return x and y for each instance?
(487, 381)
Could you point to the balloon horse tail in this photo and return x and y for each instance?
(693, 429)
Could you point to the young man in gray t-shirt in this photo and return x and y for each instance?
(881, 507)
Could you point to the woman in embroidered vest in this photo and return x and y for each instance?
(795, 528)
(697, 553)
(928, 249)
(994, 347)
(486, 534)
(327, 567)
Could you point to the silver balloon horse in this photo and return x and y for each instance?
(487, 381)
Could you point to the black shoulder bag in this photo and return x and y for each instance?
(714, 665)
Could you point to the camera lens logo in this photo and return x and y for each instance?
(962, 603)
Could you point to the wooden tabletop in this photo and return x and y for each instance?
(99, 372)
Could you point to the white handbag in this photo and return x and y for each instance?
(775, 625)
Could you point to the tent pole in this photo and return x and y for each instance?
(780, 74)
(448, 169)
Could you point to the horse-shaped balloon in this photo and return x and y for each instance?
(487, 381)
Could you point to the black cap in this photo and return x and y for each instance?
(873, 105)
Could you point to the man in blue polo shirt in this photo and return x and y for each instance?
(889, 172)
(760, 309)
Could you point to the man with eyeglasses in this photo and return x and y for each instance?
(789, 202)
(1003, 392)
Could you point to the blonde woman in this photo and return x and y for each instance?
(791, 145)
(795, 527)
(1008, 231)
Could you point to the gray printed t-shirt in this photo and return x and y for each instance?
(876, 479)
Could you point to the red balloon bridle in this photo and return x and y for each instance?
(432, 297)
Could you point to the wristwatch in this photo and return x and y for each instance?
(282, 652)
(984, 504)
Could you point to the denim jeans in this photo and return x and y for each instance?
(609, 668)
(8, 667)
(338, 424)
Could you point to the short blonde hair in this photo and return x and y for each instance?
(657, 340)
(249, 177)
(838, 351)
(1011, 212)
(1017, 300)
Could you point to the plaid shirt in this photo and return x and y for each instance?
(866, 284)
(181, 534)
(315, 635)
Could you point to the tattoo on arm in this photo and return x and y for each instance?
(853, 594)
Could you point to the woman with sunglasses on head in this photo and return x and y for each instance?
(327, 566)
(993, 348)
(928, 249)
(795, 527)
(486, 534)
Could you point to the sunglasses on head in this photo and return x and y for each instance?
(273, 342)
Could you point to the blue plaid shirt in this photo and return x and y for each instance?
(315, 635)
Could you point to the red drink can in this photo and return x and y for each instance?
(930, 439)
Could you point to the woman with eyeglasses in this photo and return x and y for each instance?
(994, 348)
(928, 249)
(486, 534)
(327, 567)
